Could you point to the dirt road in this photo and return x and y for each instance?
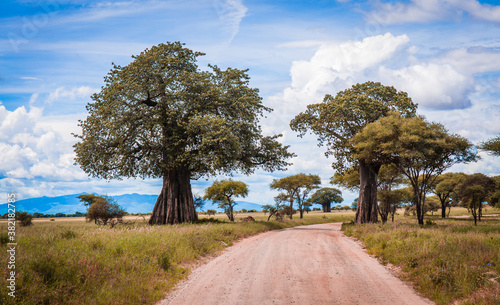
(303, 265)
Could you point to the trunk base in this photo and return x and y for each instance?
(175, 202)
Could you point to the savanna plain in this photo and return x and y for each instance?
(70, 261)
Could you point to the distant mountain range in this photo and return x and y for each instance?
(132, 203)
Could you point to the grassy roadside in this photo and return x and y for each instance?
(450, 261)
(74, 262)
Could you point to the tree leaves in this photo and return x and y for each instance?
(337, 119)
(161, 112)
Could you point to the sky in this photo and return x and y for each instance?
(54, 55)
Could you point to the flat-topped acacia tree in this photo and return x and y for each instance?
(162, 117)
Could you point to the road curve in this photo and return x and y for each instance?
(314, 264)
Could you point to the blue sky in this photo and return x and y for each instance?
(54, 55)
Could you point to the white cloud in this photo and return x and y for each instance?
(31, 154)
(231, 12)
(437, 86)
(422, 11)
(71, 94)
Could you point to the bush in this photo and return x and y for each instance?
(102, 210)
(24, 218)
(211, 212)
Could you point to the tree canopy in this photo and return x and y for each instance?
(296, 188)
(446, 186)
(223, 193)
(325, 197)
(161, 116)
(338, 119)
(420, 149)
(492, 146)
(474, 190)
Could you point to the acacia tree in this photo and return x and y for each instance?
(162, 117)
(445, 189)
(223, 192)
(389, 197)
(296, 188)
(325, 196)
(421, 150)
(338, 119)
(492, 146)
(474, 190)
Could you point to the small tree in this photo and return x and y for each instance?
(103, 209)
(296, 188)
(24, 218)
(325, 197)
(211, 212)
(223, 192)
(199, 203)
(446, 187)
(473, 191)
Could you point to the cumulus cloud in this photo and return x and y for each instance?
(31, 153)
(441, 81)
(421, 11)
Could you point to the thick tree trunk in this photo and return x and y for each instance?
(367, 201)
(327, 208)
(443, 209)
(175, 202)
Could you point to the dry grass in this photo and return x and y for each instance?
(450, 261)
(73, 262)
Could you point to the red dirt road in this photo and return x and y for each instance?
(314, 264)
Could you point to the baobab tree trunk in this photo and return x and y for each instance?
(327, 208)
(367, 201)
(175, 202)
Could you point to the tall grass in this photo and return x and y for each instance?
(81, 263)
(450, 261)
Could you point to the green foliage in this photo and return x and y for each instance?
(446, 187)
(338, 119)
(87, 199)
(421, 150)
(211, 212)
(161, 112)
(474, 190)
(223, 192)
(295, 188)
(492, 146)
(24, 218)
(103, 209)
(325, 197)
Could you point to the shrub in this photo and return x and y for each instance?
(4, 238)
(24, 218)
(102, 210)
(164, 261)
(211, 212)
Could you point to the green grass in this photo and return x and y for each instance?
(73, 262)
(450, 261)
